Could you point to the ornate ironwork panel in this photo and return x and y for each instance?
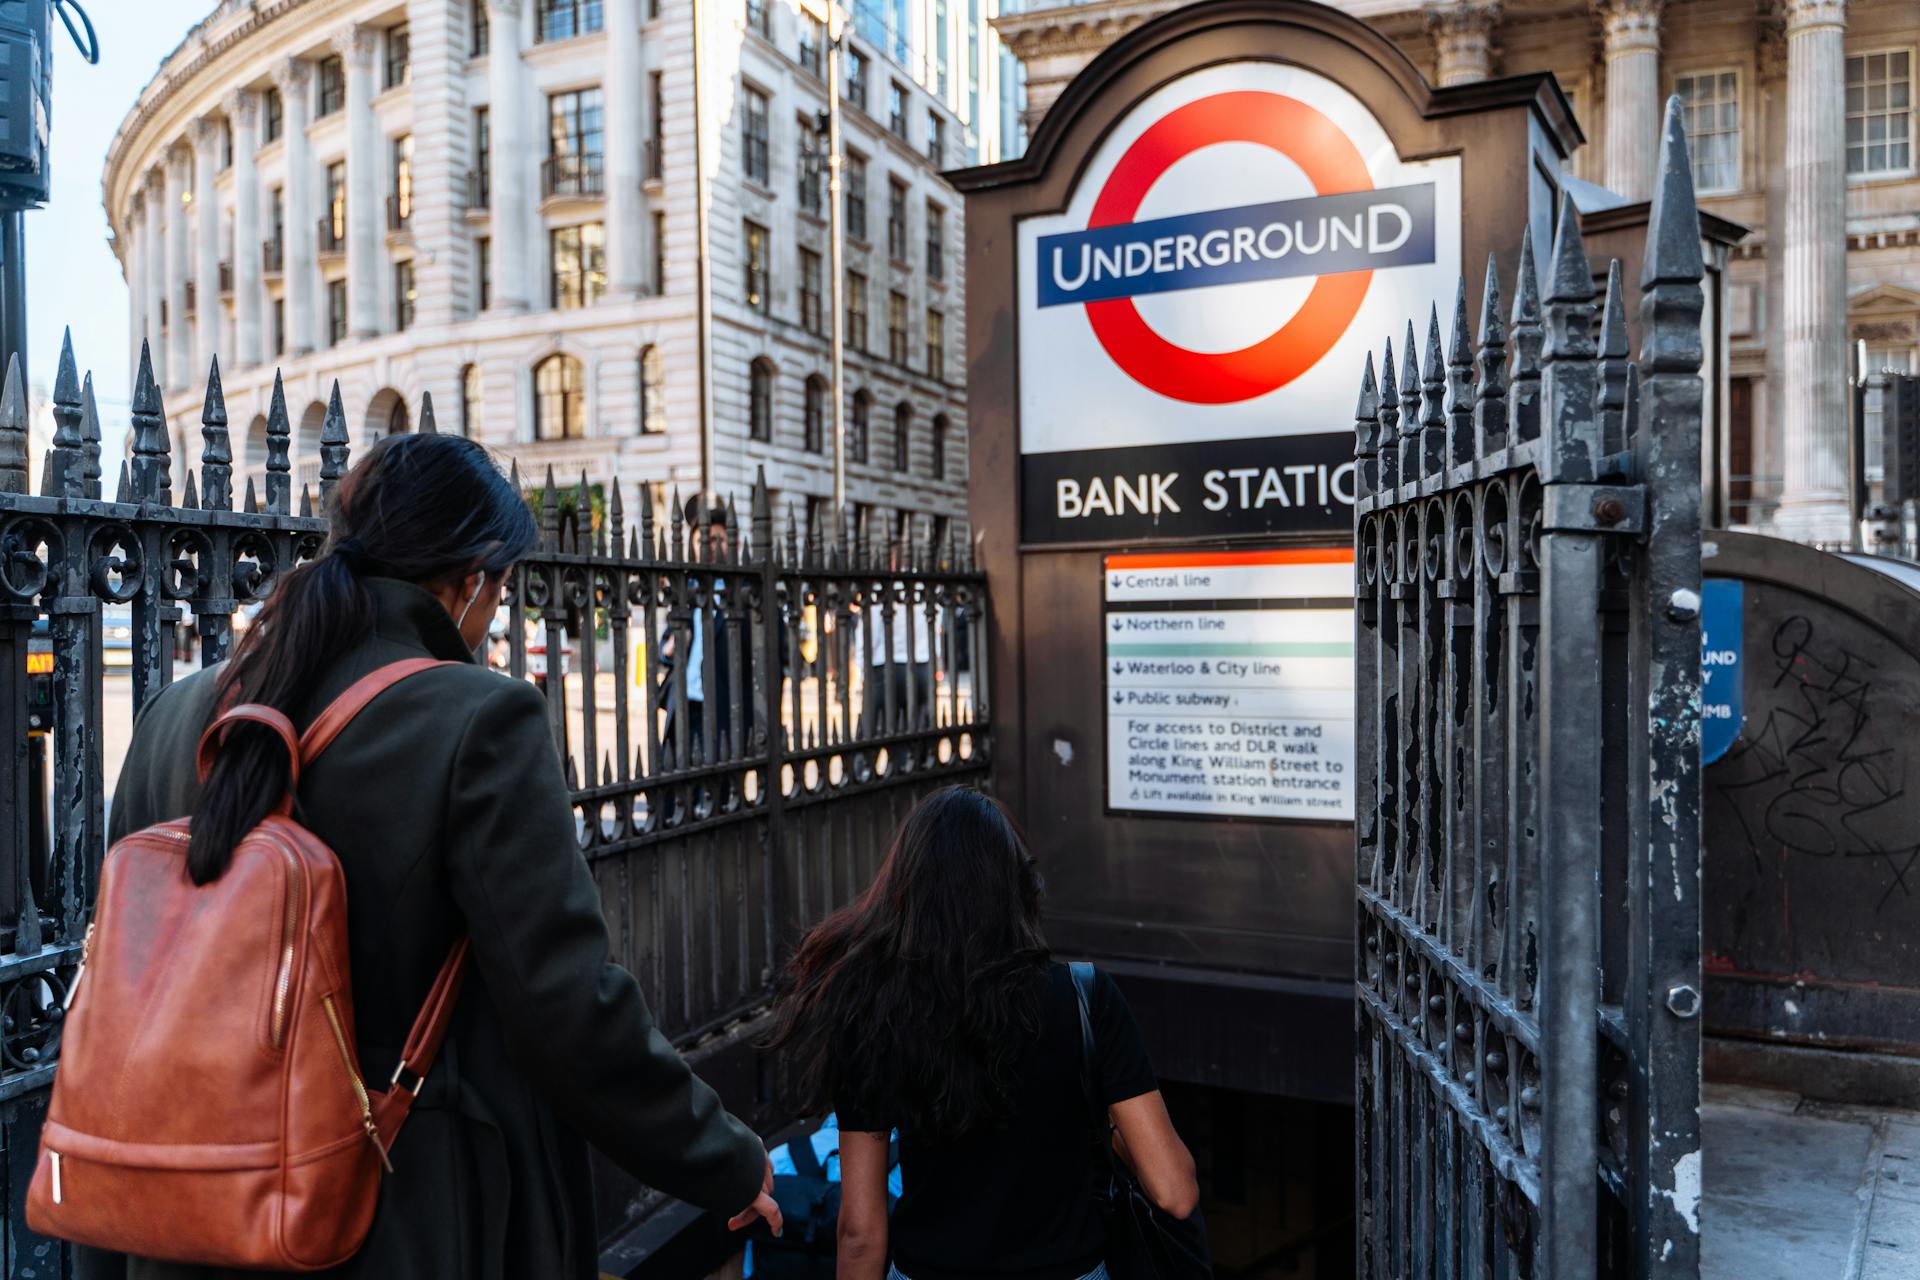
(1527, 1074)
(745, 717)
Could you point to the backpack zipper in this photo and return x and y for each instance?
(353, 1078)
(284, 980)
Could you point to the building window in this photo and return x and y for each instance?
(936, 242)
(405, 295)
(579, 265)
(810, 310)
(483, 270)
(897, 109)
(813, 38)
(897, 220)
(758, 18)
(564, 19)
(856, 78)
(336, 312)
(855, 182)
(939, 442)
(659, 252)
(760, 400)
(336, 221)
(936, 344)
(481, 27)
(559, 398)
(856, 334)
(903, 436)
(481, 194)
(273, 114)
(653, 392)
(575, 144)
(277, 231)
(279, 326)
(753, 125)
(816, 415)
(470, 403)
(940, 47)
(399, 421)
(811, 167)
(755, 259)
(936, 138)
(330, 87)
(897, 327)
(1880, 113)
(857, 427)
(399, 56)
(1712, 101)
(656, 154)
(402, 175)
(226, 145)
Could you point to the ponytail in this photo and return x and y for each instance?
(425, 509)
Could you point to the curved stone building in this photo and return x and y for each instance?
(495, 201)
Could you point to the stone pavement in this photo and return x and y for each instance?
(1799, 1190)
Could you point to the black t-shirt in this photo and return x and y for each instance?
(1015, 1201)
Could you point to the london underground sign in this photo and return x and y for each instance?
(1190, 324)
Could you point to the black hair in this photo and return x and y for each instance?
(427, 509)
(915, 1001)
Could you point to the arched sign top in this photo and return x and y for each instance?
(1238, 240)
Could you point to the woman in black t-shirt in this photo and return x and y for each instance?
(932, 1005)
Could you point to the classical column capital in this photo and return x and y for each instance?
(1630, 24)
(505, 8)
(243, 109)
(1462, 32)
(205, 132)
(290, 76)
(156, 184)
(179, 163)
(1811, 15)
(355, 45)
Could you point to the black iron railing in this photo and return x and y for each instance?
(840, 682)
(579, 175)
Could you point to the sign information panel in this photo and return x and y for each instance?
(1190, 323)
(1722, 687)
(1229, 691)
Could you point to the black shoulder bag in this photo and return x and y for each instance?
(1144, 1242)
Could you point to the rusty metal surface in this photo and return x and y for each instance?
(1528, 747)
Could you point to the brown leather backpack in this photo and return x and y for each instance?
(209, 1106)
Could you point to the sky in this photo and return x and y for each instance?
(73, 278)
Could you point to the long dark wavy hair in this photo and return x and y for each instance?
(915, 1001)
(427, 509)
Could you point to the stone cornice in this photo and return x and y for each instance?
(1085, 28)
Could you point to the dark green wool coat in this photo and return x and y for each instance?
(446, 804)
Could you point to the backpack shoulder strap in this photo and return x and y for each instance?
(1082, 973)
(341, 711)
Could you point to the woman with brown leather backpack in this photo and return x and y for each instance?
(445, 805)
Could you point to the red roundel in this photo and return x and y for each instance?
(1334, 166)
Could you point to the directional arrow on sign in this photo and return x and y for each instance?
(1118, 699)
(1116, 624)
(1117, 670)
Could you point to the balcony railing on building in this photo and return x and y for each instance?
(399, 213)
(226, 279)
(478, 190)
(572, 176)
(273, 256)
(897, 239)
(192, 302)
(652, 159)
(332, 236)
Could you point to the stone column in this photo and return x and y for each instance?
(1813, 251)
(206, 234)
(441, 238)
(243, 113)
(625, 136)
(179, 340)
(1633, 95)
(1462, 32)
(153, 260)
(511, 198)
(133, 244)
(294, 79)
(365, 248)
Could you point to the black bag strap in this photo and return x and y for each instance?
(1082, 973)
(806, 1162)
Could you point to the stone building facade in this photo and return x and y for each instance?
(1803, 120)
(496, 201)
